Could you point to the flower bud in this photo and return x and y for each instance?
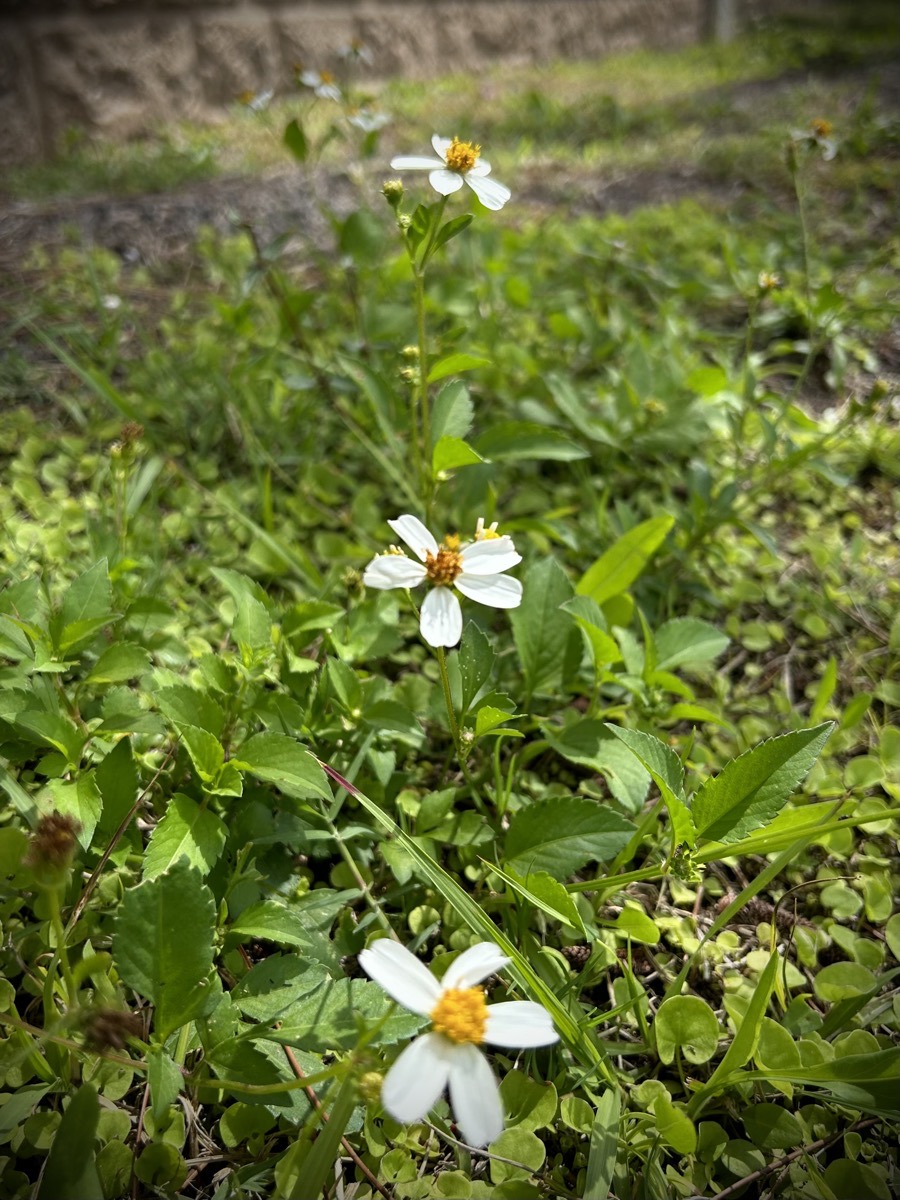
(370, 1086)
(392, 191)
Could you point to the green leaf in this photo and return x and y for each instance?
(529, 1105)
(618, 568)
(118, 782)
(771, 1127)
(488, 719)
(281, 760)
(295, 140)
(70, 1172)
(744, 1043)
(88, 597)
(542, 891)
(205, 750)
(688, 1024)
(752, 789)
(452, 412)
(53, 729)
(666, 771)
(165, 1079)
(674, 1126)
(604, 1147)
(514, 440)
(450, 229)
(163, 945)
(188, 831)
(335, 1014)
(182, 705)
(540, 630)
(687, 640)
(476, 661)
(81, 800)
(591, 744)
(120, 663)
(275, 922)
(454, 364)
(452, 452)
(842, 981)
(562, 836)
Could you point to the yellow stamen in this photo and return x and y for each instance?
(461, 156)
(821, 128)
(483, 534)
(442, 568)
(461, 1015)
(395, 550)
(326, 77)
(451, 541)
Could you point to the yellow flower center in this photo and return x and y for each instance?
(461, 1015)
(485, 533)
(442, 568)
(461, 156)
(821, 127)
(326, 77)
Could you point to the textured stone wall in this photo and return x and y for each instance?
(120, 66)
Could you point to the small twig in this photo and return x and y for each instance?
(510, 1162)
(85, 896)
(821, 1144)
(323, 1116)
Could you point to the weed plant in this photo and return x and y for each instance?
(608, 738)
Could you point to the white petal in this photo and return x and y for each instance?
(393, 571)
(417, 1078)
(401, 974)
(519, 1023)
(415, 162)
(491, 193)
(481, 168)
(490, 556)
(475, 1096)
(496, 591)
(441, 145)
(445, 182)
(441, 618)
(473, 965)
(410, 529)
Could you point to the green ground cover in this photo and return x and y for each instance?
(665, 783)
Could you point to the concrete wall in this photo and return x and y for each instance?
(118, 66)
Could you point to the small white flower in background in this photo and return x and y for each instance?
(461, 1021)
(369, 121)
(356, 51)
(111, 302)
(818, 133)
(457, 163)
(256, 101)
(475, 569)
(322, 83)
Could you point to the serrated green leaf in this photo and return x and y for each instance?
(618, 568)
(206, 752)
(488, 718)
(182, 705)
(752, 789)
(562, 836)
(666, 771)
(591, 744)
(281, 760)
(188, 831)
(540, 630)
(476, 660)
(544, 892)
(119, 663)
(452, 412)
(81, 800)
(450, 453)
(163, 945)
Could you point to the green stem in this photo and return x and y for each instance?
(454, 726)
(61, 950)
(318, 1164)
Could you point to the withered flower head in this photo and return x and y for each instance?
(110, 1029)
(52, 844)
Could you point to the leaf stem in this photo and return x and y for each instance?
(454, 726)
(61, 951)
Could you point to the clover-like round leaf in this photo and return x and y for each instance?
(688, 1024)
